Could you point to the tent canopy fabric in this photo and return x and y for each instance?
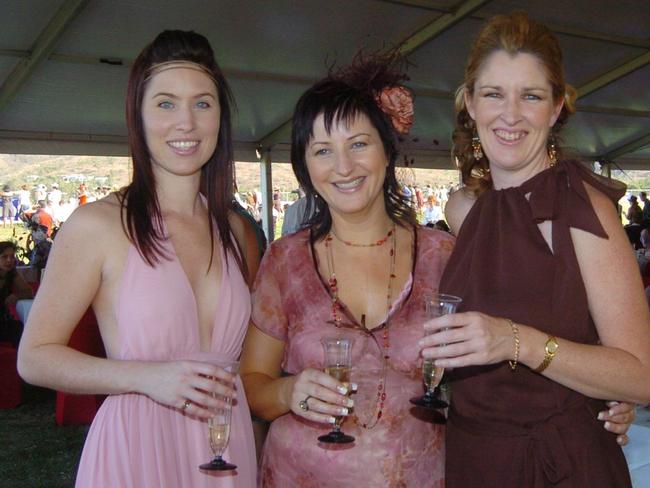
(64, 66)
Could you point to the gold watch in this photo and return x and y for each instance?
(550, 350)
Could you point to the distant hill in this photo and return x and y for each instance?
(115, 172)
(18, 169)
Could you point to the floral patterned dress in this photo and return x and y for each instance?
(291, 302)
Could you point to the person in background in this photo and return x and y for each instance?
(165, 264)
(43, 218)
(8, 209)
(294, 215)
(41, 192)
(55, 195)
(82, 194)
(12, 288)
(643, 196)
(25, 199)
(432, 211)
(553, 319)
(634, 213)
(419, 198)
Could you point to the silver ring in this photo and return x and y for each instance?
(304, 406)
(185, 405)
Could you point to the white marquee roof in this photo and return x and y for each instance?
(64, 66)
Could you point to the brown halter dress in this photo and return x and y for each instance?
(520, 429)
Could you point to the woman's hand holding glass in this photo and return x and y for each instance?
(467, 339)
(319, 397)
(188, 386)
(437, 305)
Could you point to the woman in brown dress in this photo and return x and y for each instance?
(553, 315)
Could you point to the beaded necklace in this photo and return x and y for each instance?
(380, 242)
(337, 307)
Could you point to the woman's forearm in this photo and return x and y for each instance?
(65, 369)
(593, 370)
(268, 397)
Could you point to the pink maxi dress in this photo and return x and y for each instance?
(404, 449)
(135, 442)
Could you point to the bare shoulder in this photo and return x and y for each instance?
(611, 277)
(99, 214)
(97, 219)
(458, 206)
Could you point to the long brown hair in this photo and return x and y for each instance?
(142, 219)
(513, 33)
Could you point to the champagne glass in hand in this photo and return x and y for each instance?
(338, 364)
(219, 429)
(437, 305)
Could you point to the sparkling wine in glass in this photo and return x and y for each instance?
(338, 364)
(219, 429)
(437, 305)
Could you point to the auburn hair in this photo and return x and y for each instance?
(513, 33)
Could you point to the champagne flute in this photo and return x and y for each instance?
(338, 364)
(437, 305)
(219, 428)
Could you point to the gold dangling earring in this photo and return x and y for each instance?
(552, 151)
(476, 146)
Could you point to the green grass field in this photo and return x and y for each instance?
(35, 451)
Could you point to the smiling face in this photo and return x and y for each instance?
(347, 166)
(180, 113)
(513, 108)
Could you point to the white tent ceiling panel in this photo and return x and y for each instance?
(585, 59)
(7, 64)
(259, 108)
(271, 51)
(601, 134)
(23, 20)
(629, 18)
(630, 92)
(435, 63)
(56, 90)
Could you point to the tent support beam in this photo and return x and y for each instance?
(613, 74)
(42, 48)
(407, 46)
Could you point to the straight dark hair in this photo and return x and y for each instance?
(341, 97)
(4, 245)
(141, 216)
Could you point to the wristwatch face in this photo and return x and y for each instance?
(552, 346)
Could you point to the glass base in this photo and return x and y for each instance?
(429, 401)
(336, 437)
(432, 405)
(218, 464)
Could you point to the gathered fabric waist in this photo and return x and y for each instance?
(545, 446)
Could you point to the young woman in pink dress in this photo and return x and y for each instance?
(165, 266)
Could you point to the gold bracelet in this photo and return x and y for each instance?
(515, 333)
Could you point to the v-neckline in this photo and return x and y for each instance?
(346, 311)
(189, 288)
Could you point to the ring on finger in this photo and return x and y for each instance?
(304, 406)
(186, 404)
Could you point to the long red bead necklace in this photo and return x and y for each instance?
(336, 313)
